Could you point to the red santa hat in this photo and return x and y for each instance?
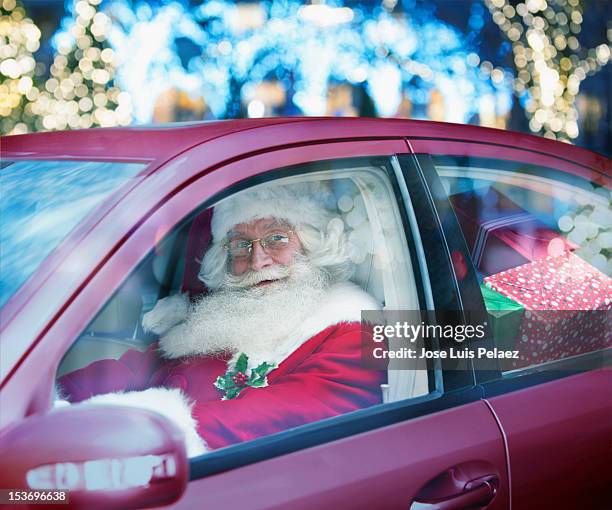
(296, 204)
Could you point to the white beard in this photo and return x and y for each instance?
(244, 318)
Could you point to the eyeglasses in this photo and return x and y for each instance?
(242, 248)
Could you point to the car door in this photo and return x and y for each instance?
(554, 404)
(384, 457)
(442, 446)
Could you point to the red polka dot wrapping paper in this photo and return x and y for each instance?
(561, 295)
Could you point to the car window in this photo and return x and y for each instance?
(42, 201)
(540, 241)
(248, 313)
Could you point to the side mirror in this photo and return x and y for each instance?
(105, 456)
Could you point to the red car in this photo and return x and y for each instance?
(98, 225)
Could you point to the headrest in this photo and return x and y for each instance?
(198, 241)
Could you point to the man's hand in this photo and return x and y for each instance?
(168, 312)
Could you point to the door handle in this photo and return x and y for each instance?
(477, 494)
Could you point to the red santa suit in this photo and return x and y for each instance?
(318, 375)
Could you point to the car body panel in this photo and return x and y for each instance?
(558, 436)
(595, 169)
(556, 431)
(382, 469)
(155, 143)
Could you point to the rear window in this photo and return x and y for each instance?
(41, 202)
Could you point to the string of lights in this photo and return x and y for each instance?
(550, 60)
(19, 39)
(223, 52)
(81, 93)
(242, 46)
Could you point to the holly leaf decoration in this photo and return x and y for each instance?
(222, 382)
(233, 393)
(263, 369)
(242, 363)
(258, 377)
(234, 381)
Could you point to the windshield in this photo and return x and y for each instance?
(40, 203)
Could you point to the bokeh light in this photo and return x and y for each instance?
(540, 34)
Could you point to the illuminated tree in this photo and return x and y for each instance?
(19, 39)
(224, 51)
(550, 61)
(80, 92)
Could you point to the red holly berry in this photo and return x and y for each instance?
(240, 379)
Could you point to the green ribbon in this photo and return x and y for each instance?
(498, 303)
(505, 316)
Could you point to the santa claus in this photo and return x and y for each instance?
(275, 343)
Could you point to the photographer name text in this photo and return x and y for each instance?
(452, 353)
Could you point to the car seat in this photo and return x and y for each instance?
(112, 332)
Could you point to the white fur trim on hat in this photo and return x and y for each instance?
(296, 204)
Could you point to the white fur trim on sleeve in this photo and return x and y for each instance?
(167, 313)
(170, 403)
(344, 303)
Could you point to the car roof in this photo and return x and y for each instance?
(160, 142)
(131, 142)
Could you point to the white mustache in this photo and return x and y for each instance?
(252, 278)
(225, 320)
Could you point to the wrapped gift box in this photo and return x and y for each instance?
(500, 234)
(567, 303)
